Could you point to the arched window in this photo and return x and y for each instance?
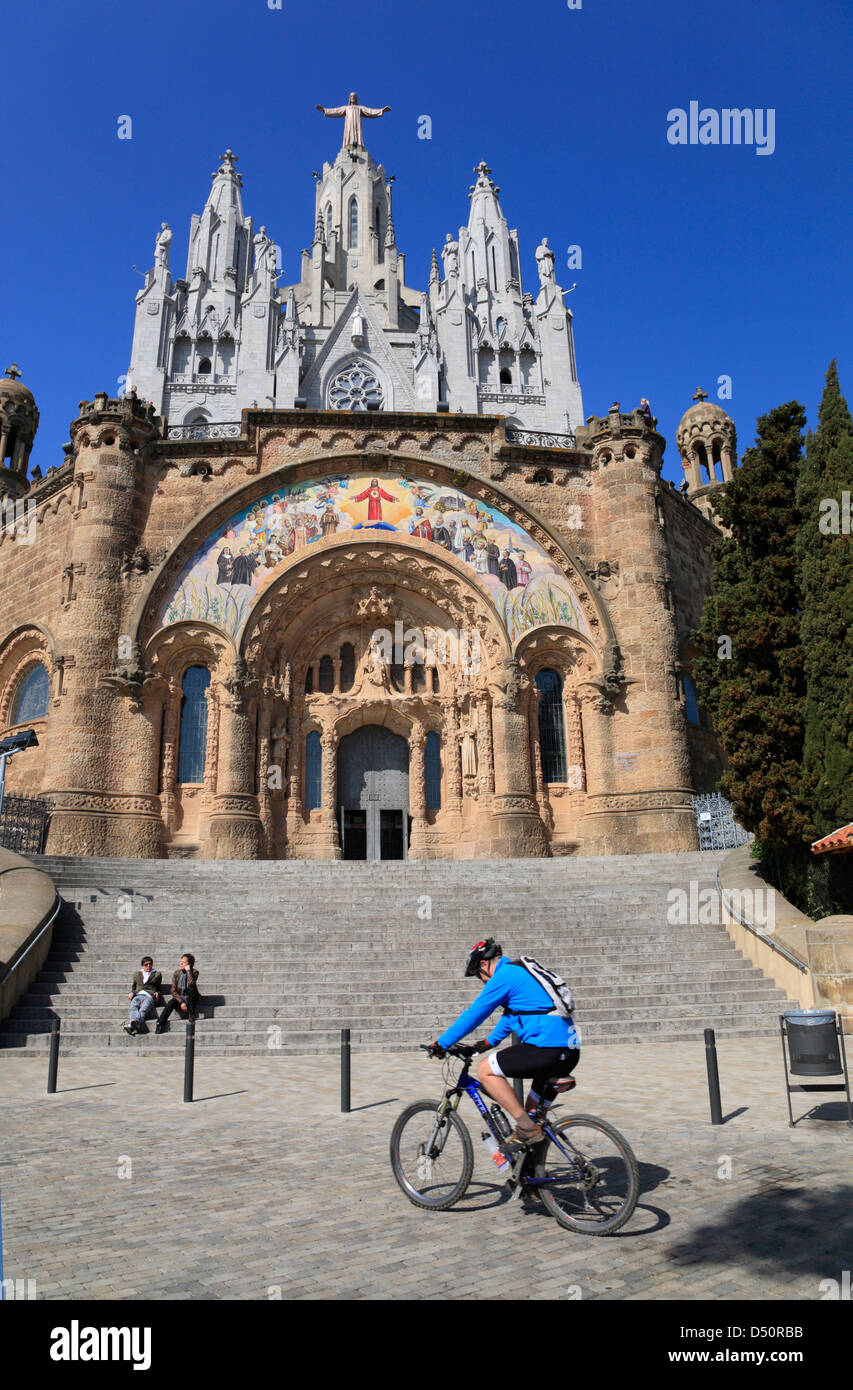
(435, 684)
(419, 677)
(432, 772)
(327, 675)
(691, 706)
(328, 223)
(506, 376)
(181, 355)
(313, 771)
(379, 227)
(193, 736)
(31, 696)
(226, 355)
(353, 223)
(204, 367)
(552, 729)
(347, 666)
(309, 681)
(499, 327)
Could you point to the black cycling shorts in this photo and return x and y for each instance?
(542, 1064)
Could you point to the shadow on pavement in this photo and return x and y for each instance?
(790, 1229)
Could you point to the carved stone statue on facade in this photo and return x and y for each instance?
(468, 740)
(279, 740)
(450, 256)
(264, 254)
(374, 677)
(545, 263)
(161, 247)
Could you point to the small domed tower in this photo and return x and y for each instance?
(19, 420)
(707, 442)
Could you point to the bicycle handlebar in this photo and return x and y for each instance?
(461, 1050)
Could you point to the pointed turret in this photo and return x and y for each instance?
(503, 354)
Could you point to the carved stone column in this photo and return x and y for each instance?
(235, 825)
(453, 754)
(168, 770)
(264, 799)
(574, 741)
(517, 828)
(295, 812)
(330, 840)
(533, 734)
(417, 790)
(485, 749)
(600, 826)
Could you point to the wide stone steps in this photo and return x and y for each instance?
(292, 952)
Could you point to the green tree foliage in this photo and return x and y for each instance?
(756, 698)
(825, 555)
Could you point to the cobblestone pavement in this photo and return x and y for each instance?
(261, 1188)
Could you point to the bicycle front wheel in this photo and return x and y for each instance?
(592, 1178)
(431, 1156)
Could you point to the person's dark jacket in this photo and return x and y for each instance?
(152, 986)
(176, 985)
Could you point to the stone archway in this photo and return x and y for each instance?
(373, 794)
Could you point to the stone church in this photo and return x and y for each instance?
(345, 572)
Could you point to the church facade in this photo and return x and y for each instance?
(344, 572)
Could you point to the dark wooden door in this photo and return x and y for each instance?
(373, 778)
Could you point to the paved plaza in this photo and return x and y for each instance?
(113, 1188)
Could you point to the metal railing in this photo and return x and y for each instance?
(537, 439)
(229, 430)
(757, 931)
(57, 906)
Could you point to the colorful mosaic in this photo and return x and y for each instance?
(225, 576)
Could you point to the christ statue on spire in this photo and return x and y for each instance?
(352, 114)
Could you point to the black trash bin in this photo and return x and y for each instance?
(815, 1047)
(813, 1042)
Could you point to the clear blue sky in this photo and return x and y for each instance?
(697, 260)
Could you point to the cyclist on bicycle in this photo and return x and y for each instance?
(549, 1048)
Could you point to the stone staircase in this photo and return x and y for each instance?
(289, 952)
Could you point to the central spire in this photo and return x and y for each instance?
(352, 114)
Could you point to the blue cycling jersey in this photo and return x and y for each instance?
(513, 987)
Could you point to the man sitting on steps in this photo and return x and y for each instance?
(185, 995)
(144, 995)
(549, 1046)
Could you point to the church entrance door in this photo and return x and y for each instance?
(373, 794)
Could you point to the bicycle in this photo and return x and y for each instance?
(581, 1184)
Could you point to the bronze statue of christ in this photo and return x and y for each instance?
(352, 114)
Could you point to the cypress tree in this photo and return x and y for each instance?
(825, 554)
(756, 697)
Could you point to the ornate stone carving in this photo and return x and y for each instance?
(374, 606)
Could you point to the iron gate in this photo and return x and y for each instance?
(716, 823)
(22, 824)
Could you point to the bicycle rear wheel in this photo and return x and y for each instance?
(432, 1160)
(595, 1183)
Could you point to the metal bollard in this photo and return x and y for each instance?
(189, 1060)
(345, 1071)
(517, 1081)
(53, 1063)
(713, 1077)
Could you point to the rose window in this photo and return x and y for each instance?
(356, 388)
